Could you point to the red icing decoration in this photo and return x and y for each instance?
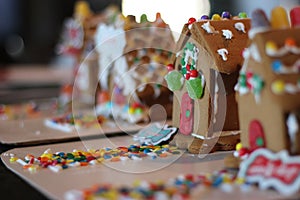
(186, 122)
(279, 171)
(191, 20)
(255, 132)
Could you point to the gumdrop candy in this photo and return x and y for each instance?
(259, 19)
(295, 16)
(279, 18)
(194, 88)
(174, 80)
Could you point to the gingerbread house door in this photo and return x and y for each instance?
(186, 115)
(256, 135)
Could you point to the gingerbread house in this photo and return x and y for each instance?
(205, 71)
(269, 89)
(132, 60)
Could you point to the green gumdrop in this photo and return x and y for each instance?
(144, 18)
(174, 80)
(194, 88)
(243, 15)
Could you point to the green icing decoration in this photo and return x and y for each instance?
(174, 80)
(194, 88)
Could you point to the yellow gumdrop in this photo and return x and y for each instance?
(216, 17)
(278, 87)
(238, 146)
(270, 45)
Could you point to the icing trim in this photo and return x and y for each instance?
(227, 34)
(272, 51)
(223, 53)
(209, 28)
(279, 68)
(240, 27)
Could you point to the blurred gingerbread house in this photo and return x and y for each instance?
(269, 85)
(205, 72)
(132, 60)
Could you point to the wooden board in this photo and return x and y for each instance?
(55, 185)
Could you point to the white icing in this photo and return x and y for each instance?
(65, 127)
(254, 52)
(293, 128)
(209, 28)
(216, 98)
(253, 31)
(223, 53)
(282, 51)
(240, 27)
(227, 34)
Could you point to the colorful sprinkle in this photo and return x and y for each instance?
(180, 187)
(77, 158)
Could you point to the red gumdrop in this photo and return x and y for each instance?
(188, 67)
(194, 73)
(295, 16)
(187, 76)
(191, 20)
(170, 67)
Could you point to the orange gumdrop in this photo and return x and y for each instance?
(290, 42)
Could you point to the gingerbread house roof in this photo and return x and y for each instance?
(224, 40)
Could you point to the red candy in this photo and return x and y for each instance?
(295, 16)
(170, 67)
(194, 73)
(191, 20)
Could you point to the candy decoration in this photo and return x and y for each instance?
(276, 66)
(271, 47)
(174, 80)
(216, 17)
(170, 67)
(242, 15)
(295, 16)
(144, 18)
(61, 160)
(250, 82)
(180, 187)
(192, 20)
(278, 87)
(279, 18)
(194, 88)
(204, 17)
(226, 15)
(259, 19)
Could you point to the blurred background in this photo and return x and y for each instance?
(30, 31)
